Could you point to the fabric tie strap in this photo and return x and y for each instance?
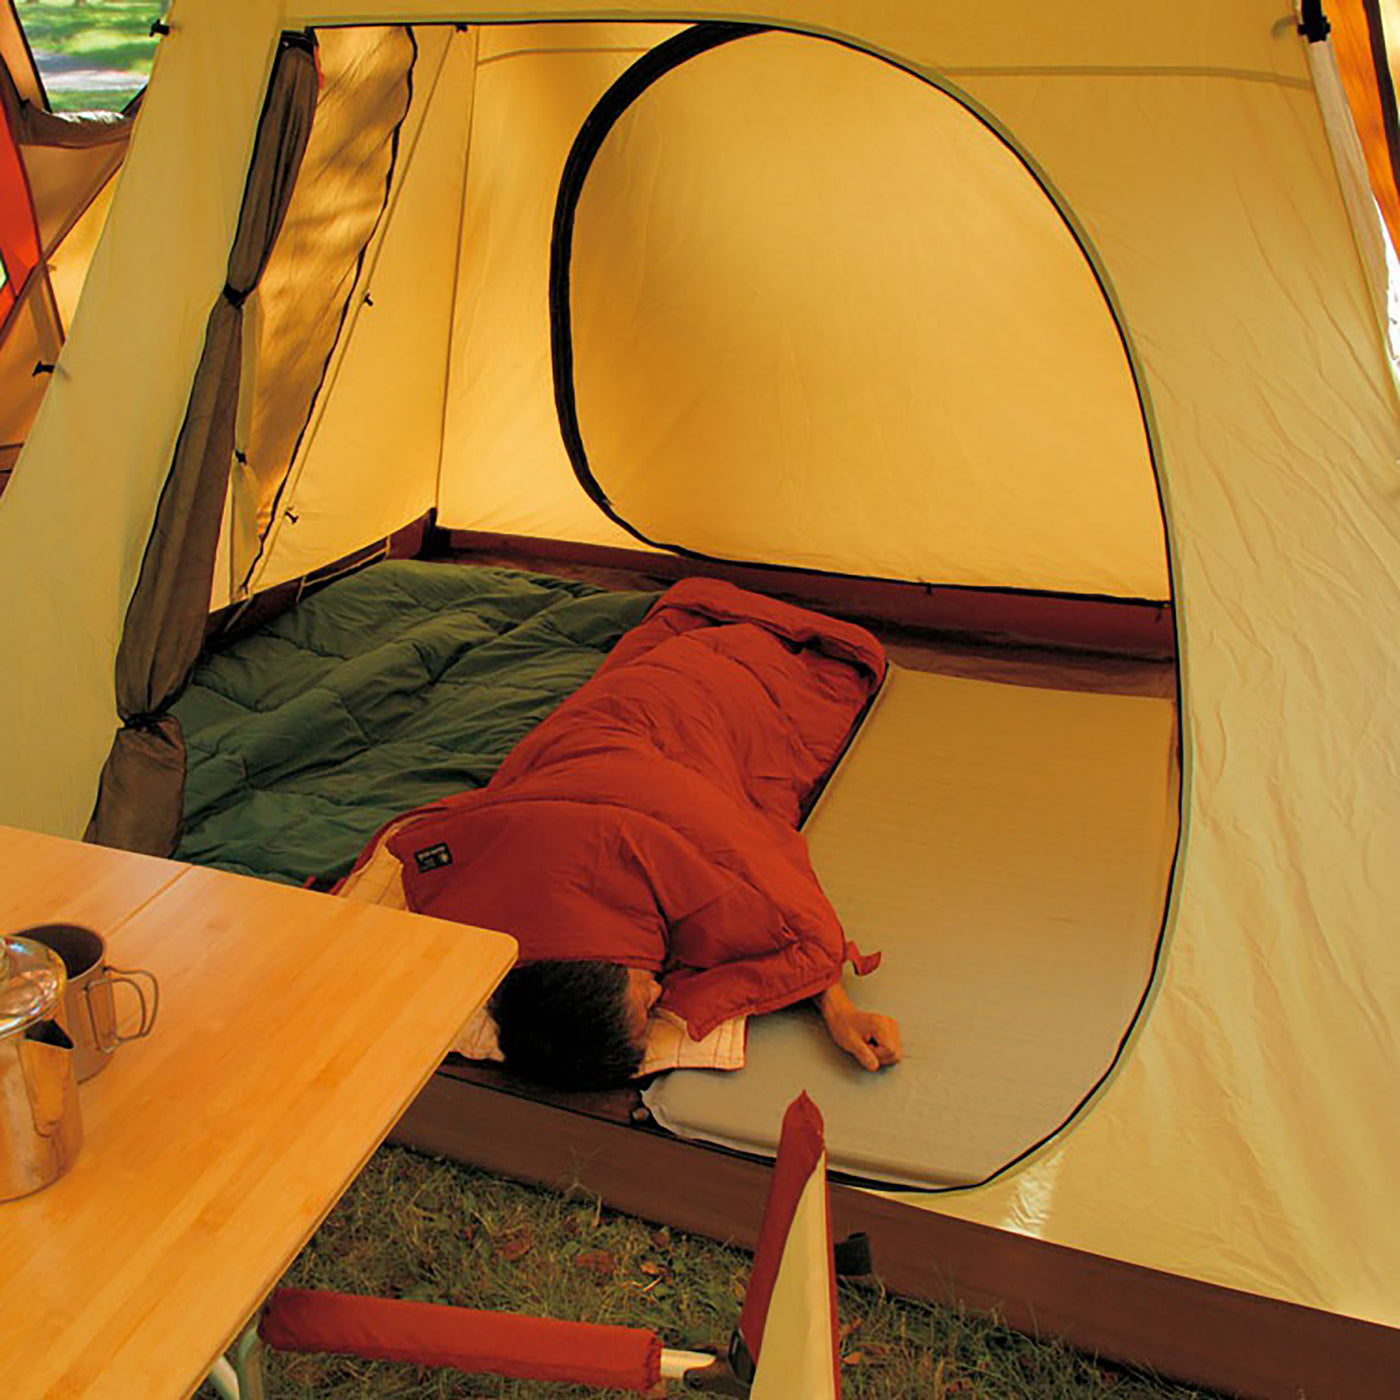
(146, 720)
(864, 963)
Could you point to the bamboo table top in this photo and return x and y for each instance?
(294, 1029)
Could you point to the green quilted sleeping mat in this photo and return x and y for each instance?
(401, 684)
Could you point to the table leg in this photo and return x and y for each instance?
(241, 1378)
(225, 1380)
(248, 1363)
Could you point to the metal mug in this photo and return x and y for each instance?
(88, 999)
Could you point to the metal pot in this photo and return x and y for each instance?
(40, 1124)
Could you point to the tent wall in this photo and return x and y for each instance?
(297, 312)
(822, 315)
(981, 392)
(451, 376)
(1242, 1141)
(509, 471)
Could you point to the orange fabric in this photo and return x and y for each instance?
(19, 237)
(499, 1344)
(1359, 44)
(651, 820)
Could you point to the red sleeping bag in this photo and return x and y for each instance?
(651, 820)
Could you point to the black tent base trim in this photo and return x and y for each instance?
(1195, 1332)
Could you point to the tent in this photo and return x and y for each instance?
(56, 179)
(1077, 306)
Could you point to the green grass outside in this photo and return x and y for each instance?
(99, 34)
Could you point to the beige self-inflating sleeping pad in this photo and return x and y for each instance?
(1008, 848)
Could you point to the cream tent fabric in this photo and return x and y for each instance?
(500, 395)
(365, 95)
(373, 446)
(1246, 1139)
(858, 304)
(942, 310)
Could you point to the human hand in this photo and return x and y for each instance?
(870, 1039)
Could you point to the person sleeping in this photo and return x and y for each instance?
(642, 843)
(585, 1025)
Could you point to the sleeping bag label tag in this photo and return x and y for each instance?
(433, 857)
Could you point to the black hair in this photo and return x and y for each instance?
(565, 1024)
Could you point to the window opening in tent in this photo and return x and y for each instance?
(93, 58)
(881, 319)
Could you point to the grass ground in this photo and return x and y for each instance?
(417, 1227)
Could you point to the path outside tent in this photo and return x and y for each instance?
(66, 74)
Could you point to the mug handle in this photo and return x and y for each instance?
(112, 975)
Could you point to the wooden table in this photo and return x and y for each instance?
(294, 1029)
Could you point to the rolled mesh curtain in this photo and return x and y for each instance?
(141, 791)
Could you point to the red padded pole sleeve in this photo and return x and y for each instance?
(500, 1344)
